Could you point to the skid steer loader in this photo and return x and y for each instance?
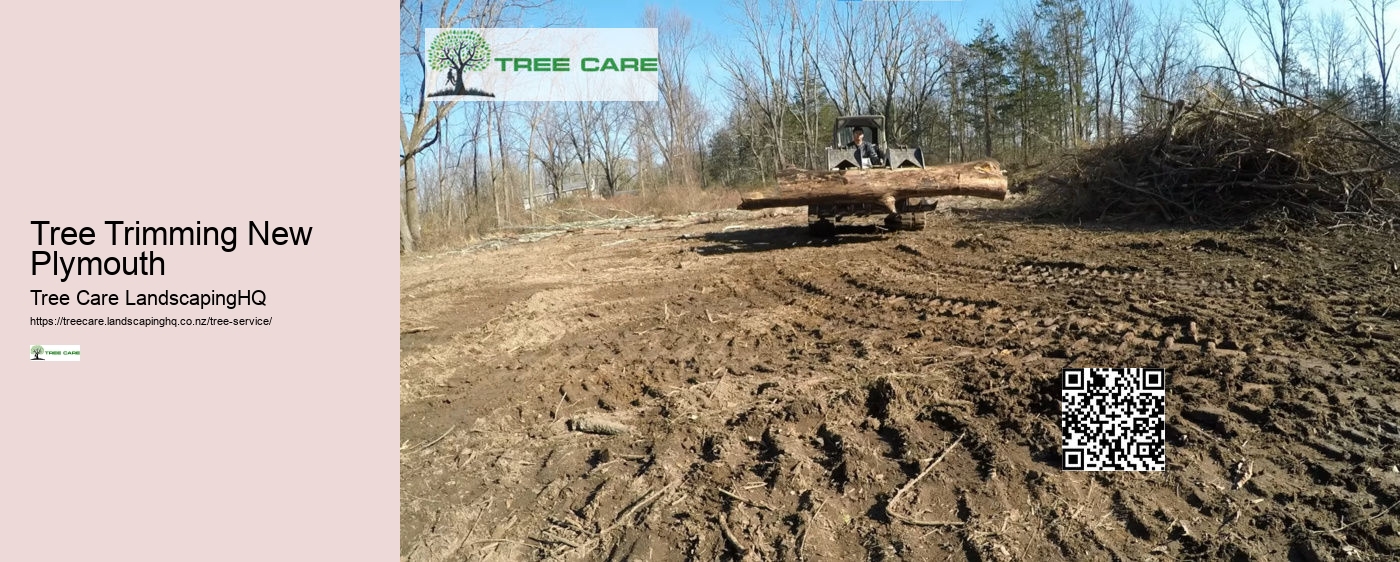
(909, 215)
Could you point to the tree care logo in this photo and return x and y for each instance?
(457, 51)
(541, 64)
(54, 353)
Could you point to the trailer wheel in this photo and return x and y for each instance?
(823, 228)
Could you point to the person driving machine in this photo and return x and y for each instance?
(865, 150)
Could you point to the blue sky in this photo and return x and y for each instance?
(710, 15)
(711, 18)
(960, 16)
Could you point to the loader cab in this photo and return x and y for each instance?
(845, 127)
(839, 157)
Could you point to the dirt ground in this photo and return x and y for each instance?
(770, 394)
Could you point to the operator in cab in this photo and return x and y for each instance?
(864, 150)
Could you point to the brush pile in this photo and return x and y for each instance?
(1284, 157)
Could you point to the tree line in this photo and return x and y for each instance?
(1048, 76)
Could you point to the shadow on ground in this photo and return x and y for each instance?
(785, 237)
(1040, 213)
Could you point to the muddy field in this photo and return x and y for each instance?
(736, 390)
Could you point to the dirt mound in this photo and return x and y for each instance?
(1276, 156)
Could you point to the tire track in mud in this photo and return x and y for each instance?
(902, 304)
(1157, 306)
(876, 289)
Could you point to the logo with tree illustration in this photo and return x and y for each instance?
(36, 350)
(458, 51)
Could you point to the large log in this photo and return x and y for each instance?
(982, 178)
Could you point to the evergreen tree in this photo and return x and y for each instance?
(986, 83)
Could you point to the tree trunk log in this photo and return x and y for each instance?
(405, 235)
(410, 187)
(982, 178)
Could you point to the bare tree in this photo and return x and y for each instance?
(1210, 18)
(878, 42)
(920, 85)
(957, 58)
(756, 64)
(677, 120)
(1124, 25)
(1165, 57)
(1274, 23)
(1370, 14)
(1328, 55)
(643, 147)
(612, 138)
(1112, 25)
(808, 93)
(554, 155)
(585, 117)
(1333, 50)
(1065, 35)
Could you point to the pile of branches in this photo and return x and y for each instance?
(1281, 157)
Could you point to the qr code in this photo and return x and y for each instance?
(1113, 419)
